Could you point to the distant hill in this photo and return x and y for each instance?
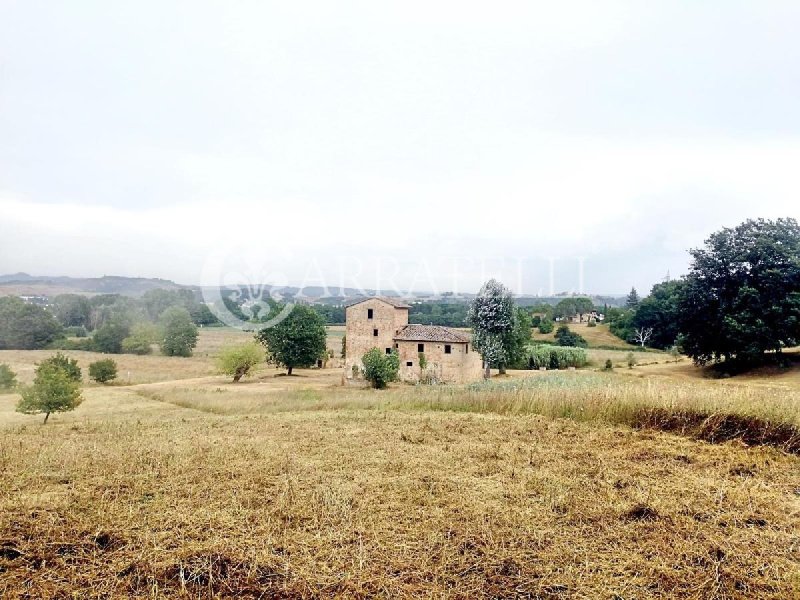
(19, 284)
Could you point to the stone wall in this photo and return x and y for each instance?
(386, 318)
(462, 365)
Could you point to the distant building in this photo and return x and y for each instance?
(382, 323)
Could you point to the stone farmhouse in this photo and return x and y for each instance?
(382, 323)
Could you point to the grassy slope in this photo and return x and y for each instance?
(192, 487)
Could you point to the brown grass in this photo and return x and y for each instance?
(531, 486)
(389, 504)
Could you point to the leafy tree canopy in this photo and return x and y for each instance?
(237, 361)
(298, 340)
(742, 293)
(53, 390)
(26, 326)
(179, 334)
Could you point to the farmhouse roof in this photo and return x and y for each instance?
(396, 302)
(430, 333)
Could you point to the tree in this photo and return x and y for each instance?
(52, 391)
(68, 365)
(519, 339)
(641, 335)
(344, 346)
(565, 337)
(620, 322)
(660, 311)
(141, 339)
(103, 371)
(237, 361)
(492, 318)
(380, 368)
(297, 341)
(108, 338)
(632, 301)
(631, 360)
(565, 309)
(742, 293)
(72, 310)
(26, 326)
(179, 334)
(8, 379)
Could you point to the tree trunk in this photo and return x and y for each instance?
(238, 375)
(289, 370)
(46, 415)
(487, 373)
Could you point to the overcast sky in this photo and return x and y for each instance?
(435, 143)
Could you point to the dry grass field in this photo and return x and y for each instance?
(537, 485)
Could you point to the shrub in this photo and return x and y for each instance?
(565, 337)
(556, 357)
(546, 326)
(591, 323)
(66, 364)
(609, 365)
(237, 361)
(103, 371)
(8, 379)
(78, 331)
(380, 368)
(631, 360)
(141, 339)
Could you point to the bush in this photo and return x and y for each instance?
(237, 361)
(609, 365)
(546, 326)
(8, 379)
(380, 368)
(103, 371)
(631, 360)
(591, 323)
(565, 337)
(141, 339)
(66, 364)
(556, 357)
(77, 331)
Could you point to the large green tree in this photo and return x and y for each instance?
(493, 319)
(179, 334)
(26, 326)
(296, 341)
(742, 293)
(660, 312)
(72, 310)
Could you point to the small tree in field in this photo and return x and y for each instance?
(53, 390)
(297, 341)
(179, 333)
(675, 353)
(68, 365)
(103, 371)
(8, 379)
(237, 361)
(631, 360)
(380, 368)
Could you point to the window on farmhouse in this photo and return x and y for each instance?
(388, 351)
(375, 332)
(420, 347)
(448, 349)
(409, 364)
(369, 313)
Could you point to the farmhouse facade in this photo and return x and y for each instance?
(428, 352)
